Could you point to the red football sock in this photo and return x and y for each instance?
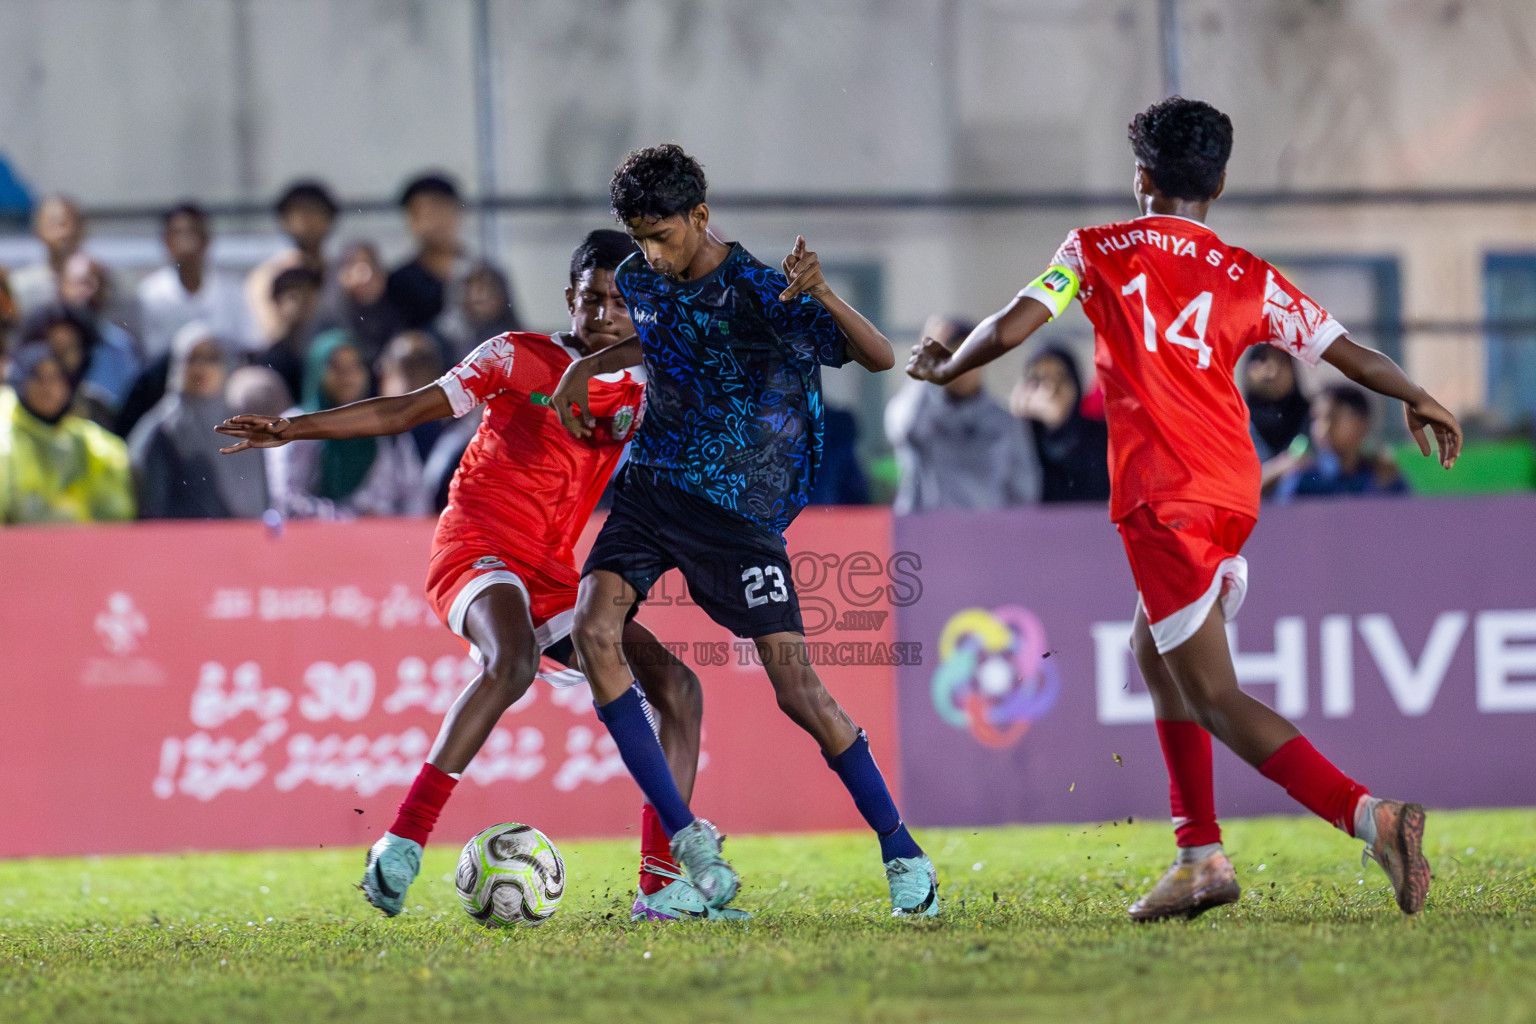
(654, 846)
(1191, 787)
(1313, 781)
(417, 815)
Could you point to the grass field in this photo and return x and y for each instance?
(1034, 926)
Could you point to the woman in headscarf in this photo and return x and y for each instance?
(55, 467)
(178, 471)
(365, 476)
(1278, 412)
(75, 342)
(1072, 448)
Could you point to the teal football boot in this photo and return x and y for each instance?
(677, 900)
(393, 864)
(914, 887)
(697, 849)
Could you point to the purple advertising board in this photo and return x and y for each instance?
(1398, 634)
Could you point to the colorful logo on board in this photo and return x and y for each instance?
(995, 677)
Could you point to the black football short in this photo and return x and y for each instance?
(737, 570)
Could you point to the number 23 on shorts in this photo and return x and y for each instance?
(768, 576)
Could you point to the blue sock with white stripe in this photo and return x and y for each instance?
(630, 726)
(856, 767)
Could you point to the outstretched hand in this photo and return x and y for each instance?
(929, 361)
(1426, 412)
(570, 401)
(254, 432)
(803, 269)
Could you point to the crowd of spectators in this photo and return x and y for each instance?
(958, 448)
(111, 393)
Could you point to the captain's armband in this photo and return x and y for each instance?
(1055, 288)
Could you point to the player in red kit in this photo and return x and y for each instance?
(1173, 308)
(502, 574)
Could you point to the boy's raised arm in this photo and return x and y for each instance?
(867, 346)
(372, 417)
(999, 333)
(1372, 369)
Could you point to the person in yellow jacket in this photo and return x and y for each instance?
(56, 467)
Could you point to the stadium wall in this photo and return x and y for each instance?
(218, 686)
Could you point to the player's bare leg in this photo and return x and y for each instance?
(1201, 876)
(603, 602)
(801, 696)
(498, 624)
(1393, 831)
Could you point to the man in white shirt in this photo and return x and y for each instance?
(189, 289)
(58, 224)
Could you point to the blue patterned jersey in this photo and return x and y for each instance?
(733, 408)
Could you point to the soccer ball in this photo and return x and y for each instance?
(510, 874)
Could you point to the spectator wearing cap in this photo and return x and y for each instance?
(306, 212)
(85, 289)
(59, 225)
(427, 289)
(956, 446)
(187, 288)
(55, 467)
(358, 303)
(1337, 461)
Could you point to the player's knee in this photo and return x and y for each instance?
(681, 695)
(510, 672)
(597, 637)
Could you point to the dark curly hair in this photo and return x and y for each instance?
(603, 249)
(1184, 145)
(656, 183)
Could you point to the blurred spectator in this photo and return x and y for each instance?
(487, 309)
(115, 364)
(296, 297)
(363, 476)
(1071, 448)
(840, 480)
(178, 471)
(412, 361)
(1278, 412)
(1337, 461)
(427, 289)
(54, 466)
(7, 318)
(57, 223)
(957, 447)
(188, 289)
(358, 303)
(306, 212)
(260, 391)
(74, 341)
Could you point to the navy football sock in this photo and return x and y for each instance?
(641, 750)
(857, 768)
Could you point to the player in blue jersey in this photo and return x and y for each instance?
(723, 462)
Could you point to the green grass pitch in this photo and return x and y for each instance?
(1033, 929)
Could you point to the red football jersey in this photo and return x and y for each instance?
(525, 484)
(1173, 308)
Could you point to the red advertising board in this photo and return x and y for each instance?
(218, 686)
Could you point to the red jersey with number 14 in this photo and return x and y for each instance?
(526, 486)
(1173, 309)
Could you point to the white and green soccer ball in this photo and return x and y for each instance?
(510, 874)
